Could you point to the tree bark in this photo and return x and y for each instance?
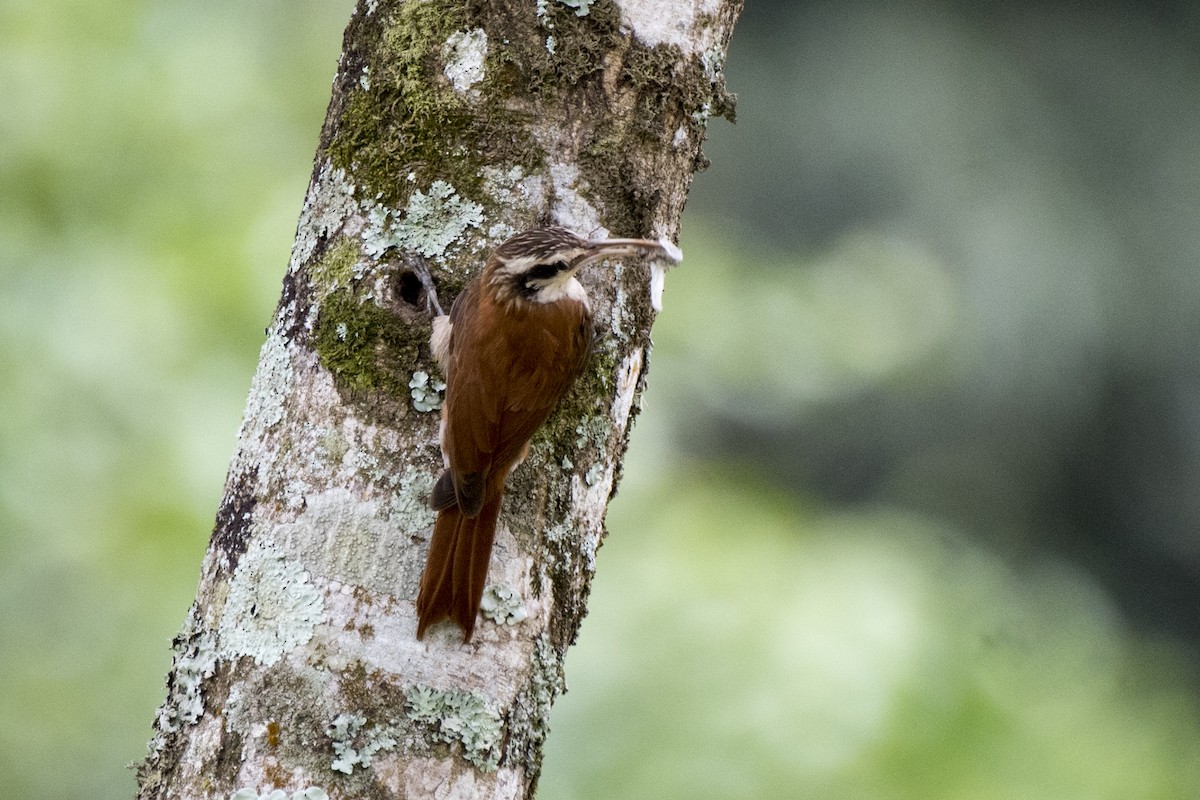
(451, 126)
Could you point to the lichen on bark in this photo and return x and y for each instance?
(451, 125)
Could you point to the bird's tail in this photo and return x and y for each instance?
(456, 568)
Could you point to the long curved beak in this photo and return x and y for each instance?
(613, 248)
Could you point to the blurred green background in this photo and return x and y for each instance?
(912, 509)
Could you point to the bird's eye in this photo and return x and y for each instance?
(541, 272)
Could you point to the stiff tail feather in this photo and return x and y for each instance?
(457, 566)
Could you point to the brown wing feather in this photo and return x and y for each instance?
(528, 368)
(468, 415)
(545, 366)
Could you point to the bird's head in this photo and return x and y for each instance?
(539, 265)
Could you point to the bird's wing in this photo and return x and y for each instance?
(505, 377)
(556, 343)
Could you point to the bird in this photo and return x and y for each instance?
(516, 338)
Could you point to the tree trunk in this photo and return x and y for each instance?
(452, 125)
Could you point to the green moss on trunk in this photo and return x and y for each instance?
(367, 348)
